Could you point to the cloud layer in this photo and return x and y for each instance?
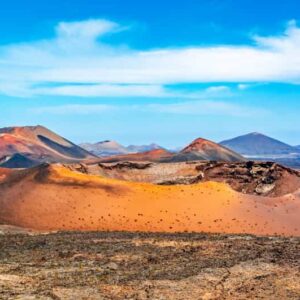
(203, 107)
(76, 62)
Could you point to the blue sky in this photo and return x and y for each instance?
(151, 71)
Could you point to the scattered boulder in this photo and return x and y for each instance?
(112, 266)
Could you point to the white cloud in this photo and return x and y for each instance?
(243, 86)
(77, 56)
(89, 29)
(104, 90)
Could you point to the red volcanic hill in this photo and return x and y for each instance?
(202, 149)
(38, 144)
(155, 155)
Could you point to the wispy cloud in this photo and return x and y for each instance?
(104, 90)
(180, 108)
(207, 108)
(217, 89)
(81, 64)
(74, 109)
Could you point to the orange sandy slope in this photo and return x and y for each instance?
(53, 197)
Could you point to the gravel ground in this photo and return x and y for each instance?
(115, 265)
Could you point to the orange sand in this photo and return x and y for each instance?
(55, 198)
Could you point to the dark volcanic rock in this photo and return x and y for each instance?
(126, 165)
(261, 178)
(18, 161)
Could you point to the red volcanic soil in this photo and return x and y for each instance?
(4, 173)
(52, 197)
(153, 155)
(10, 144)
(200, 144)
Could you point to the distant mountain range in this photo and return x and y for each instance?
(254, 146)
(199, 149)
(250, 145)
(109, 148)
(23, 147)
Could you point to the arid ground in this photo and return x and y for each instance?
(100, 211)
(114, 265)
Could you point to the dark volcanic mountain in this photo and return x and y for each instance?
(257, 144)
(31, 144)
(202, 149)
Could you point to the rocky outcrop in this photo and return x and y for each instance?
(261, 178)
(126, 165)
(258, 178)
